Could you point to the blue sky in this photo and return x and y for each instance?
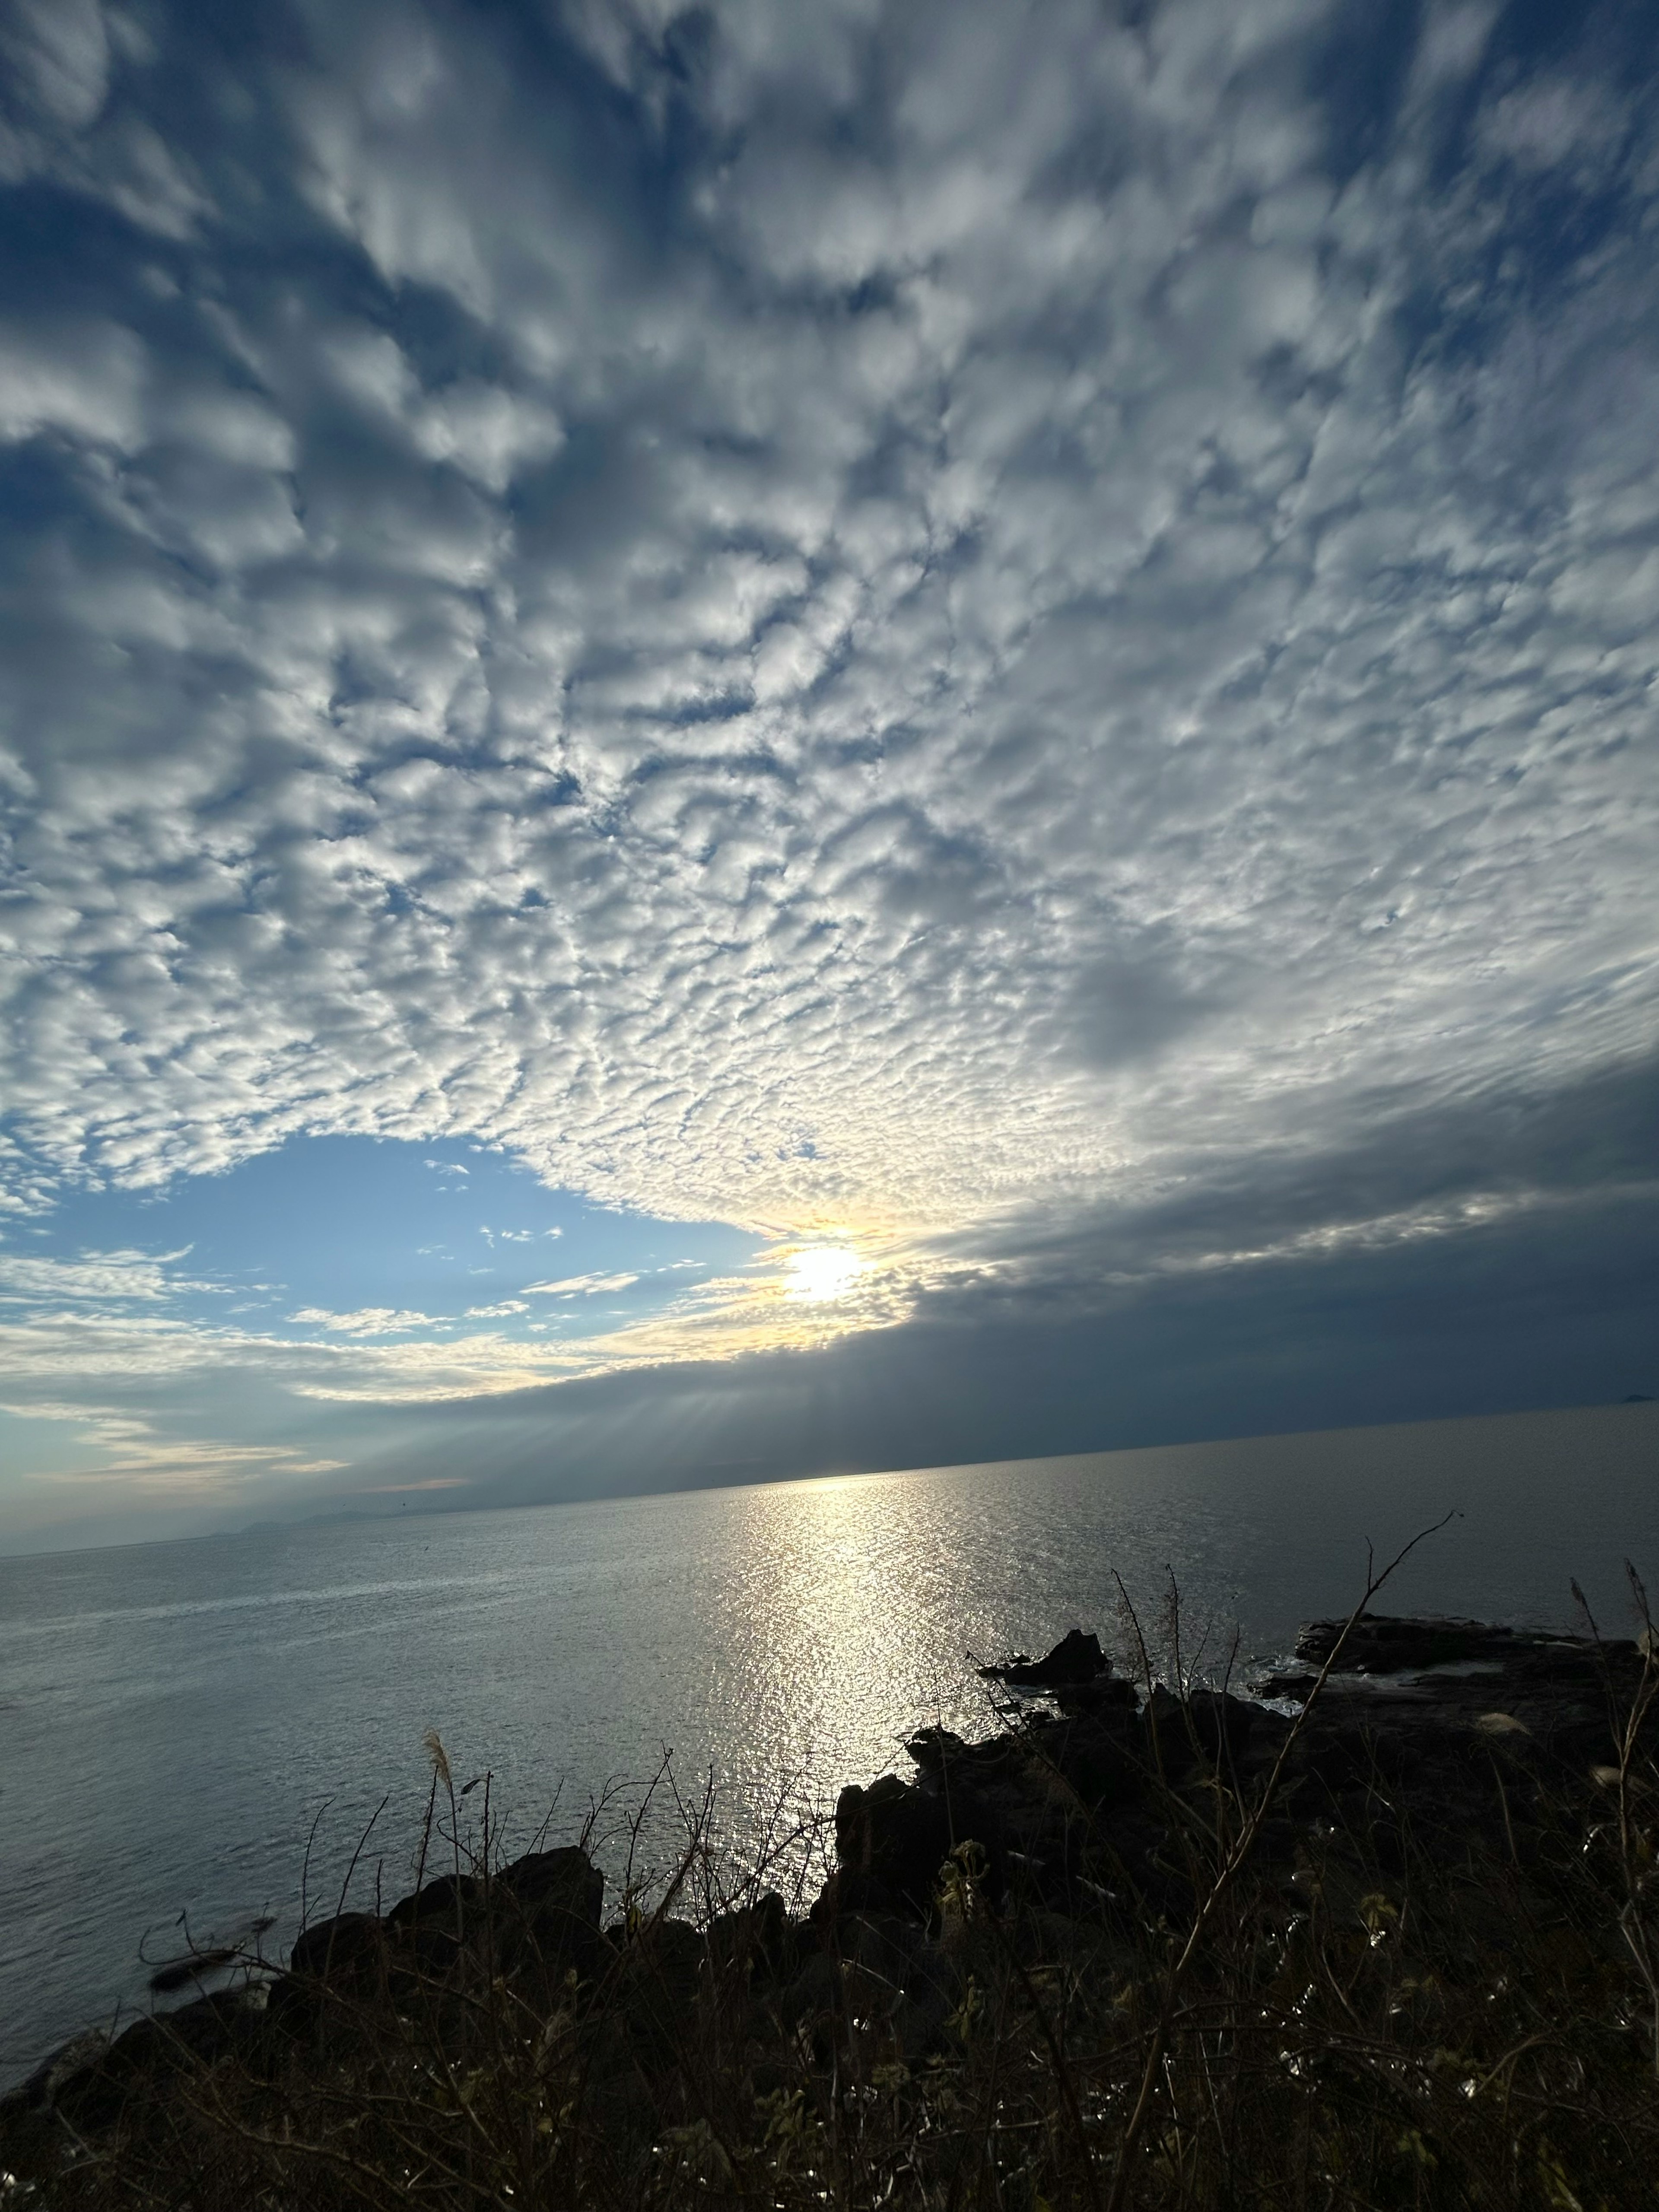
(364, 1238)
(971, 690)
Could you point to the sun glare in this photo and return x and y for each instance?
(820, 1271)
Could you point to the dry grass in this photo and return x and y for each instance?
(1318, 1998)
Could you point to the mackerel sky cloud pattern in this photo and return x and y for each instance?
(903, 624)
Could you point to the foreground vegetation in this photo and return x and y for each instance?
(1159, 1947)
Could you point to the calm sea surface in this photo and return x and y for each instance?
(174, 1718)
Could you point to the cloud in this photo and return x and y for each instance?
(570, 1286)
(103, 1278)
(82, 380)
(1323, 1340)
(1303, 1292)
(368, 1321)
(882, 624)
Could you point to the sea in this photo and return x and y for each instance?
(199, 1737)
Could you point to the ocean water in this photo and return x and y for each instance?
(181, 1722)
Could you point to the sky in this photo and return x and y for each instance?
(754, 739)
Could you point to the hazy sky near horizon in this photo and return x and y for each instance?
(868, 694)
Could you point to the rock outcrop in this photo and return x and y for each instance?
(1076, 1659)
(1067, 1827)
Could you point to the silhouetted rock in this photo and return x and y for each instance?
(546, 1907)
(533, 1921)
(180, 1973)
(1076, 1658)
(759, 1938)
(341, 1946)
(446, 1900)
(1059, 1838)
(1415, 1675)
(890, 1841)
(1380, 1644)
(136, 2065)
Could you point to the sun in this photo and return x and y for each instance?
(822, 1272)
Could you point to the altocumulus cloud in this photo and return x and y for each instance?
(1026, 638)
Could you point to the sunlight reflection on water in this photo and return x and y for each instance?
(173, 1716)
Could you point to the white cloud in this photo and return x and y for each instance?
(1050, 619)
(101, 1278)
(570, 1286)
(84, 379)
(367, 1321)
(61, 50)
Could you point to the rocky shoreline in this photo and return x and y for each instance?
(1064, 1837)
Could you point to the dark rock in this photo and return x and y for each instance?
(39, 2091)
(1419, 1700)
(815, 1990)
(342, 1946)
(536, 1918)
(1090, 1815)
(1467, 1676)
(919, 2018)
(566, 1880)
(1048, 1938)
(1169, 1748)
(335, 1968)
(180, 1973)
(1076, 1658)
(1207, 1727)
(1226, 1727)
(1106, 1695)
(139, 2063)
(546, 1907)
(1383, 1644)
(897, 1982)
(890, 1842)
(881, 1944)
(1101, 1765)
(1295, 1686)
(935, 1749)
(1451, 1729)
(446, 1900)
(342, 1964)
(653, 1987)
(756, 1939)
